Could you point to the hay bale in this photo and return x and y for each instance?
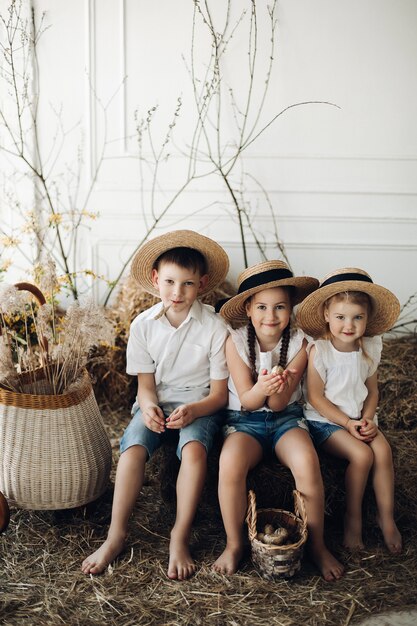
(397, 377)
(273, 483)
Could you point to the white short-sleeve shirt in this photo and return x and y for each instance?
(183, 359)
(264, 360)
(344, 375)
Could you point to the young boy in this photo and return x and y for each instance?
(176, 348)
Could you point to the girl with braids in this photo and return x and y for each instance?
(346, 316)
(264, 412)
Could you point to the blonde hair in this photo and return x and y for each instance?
(355, 297)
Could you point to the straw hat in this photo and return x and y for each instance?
(265, 275)
(385, 306)
(144, 260)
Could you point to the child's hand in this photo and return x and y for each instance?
(154, 418)
(269, 384)
(288, 376)
(275, 383)
(354, 427)
(369, 429)
(180, 417)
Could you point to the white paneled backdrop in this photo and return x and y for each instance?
(341, 180)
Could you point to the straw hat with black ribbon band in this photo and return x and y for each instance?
(265, 275)
(385, 305)
(216, 258)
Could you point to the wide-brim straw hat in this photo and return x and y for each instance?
(216, 258)
(385, 305)
(265, 275)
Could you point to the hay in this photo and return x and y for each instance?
(397, 376)
(41, 552)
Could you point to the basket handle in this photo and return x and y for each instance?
(33, 290)
(251, 517)
(299, 507)
(43, 342)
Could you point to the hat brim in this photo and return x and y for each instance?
(234, 310)
(216, 258)
(385, 308)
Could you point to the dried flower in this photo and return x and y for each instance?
(46, 277)
(44, 320)
(55, 219)
(8, 374)
(9, 242)
(11, 299)
(69, 338)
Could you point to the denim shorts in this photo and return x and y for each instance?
(267, 427)
(202, 429)
(321, 431)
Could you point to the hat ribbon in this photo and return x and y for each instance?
(263, 278)
(348, 276)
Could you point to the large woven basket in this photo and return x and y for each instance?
(277, 562)
(54, 451)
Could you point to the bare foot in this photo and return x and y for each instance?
(229, 560)
(97, 562)
(392, 536)
(352, 537)
(181, 566)
(328, 565)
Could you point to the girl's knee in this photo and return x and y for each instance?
(382, 451)
(232, 467)
(305, 469)
(363, 457)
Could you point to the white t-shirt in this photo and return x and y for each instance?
(183, 359)
(344, 375)
(264, 360)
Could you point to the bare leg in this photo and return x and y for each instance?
(190, 483)
(129, 480)
(295, 450)
(383, 483)
(360, 458)
(239, 454)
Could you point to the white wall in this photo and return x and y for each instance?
(342, 181)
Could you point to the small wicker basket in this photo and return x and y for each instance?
(275, 562)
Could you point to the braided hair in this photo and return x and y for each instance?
(252, 352)
(285, 342)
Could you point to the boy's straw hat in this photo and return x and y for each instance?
(385, 306)
(216, 258)
(262, 276)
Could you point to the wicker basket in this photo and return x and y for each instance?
(54, 450)
(275, 562)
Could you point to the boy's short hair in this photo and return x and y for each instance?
(187, 258)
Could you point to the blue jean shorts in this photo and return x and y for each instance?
(202, 429)
(267, 427)
(321, 431)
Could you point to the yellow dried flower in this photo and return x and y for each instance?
(4, 266)
(55, 219)
(9, 242)
(90, 214)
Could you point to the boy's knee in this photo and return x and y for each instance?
(136, 453)
(194, 451)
